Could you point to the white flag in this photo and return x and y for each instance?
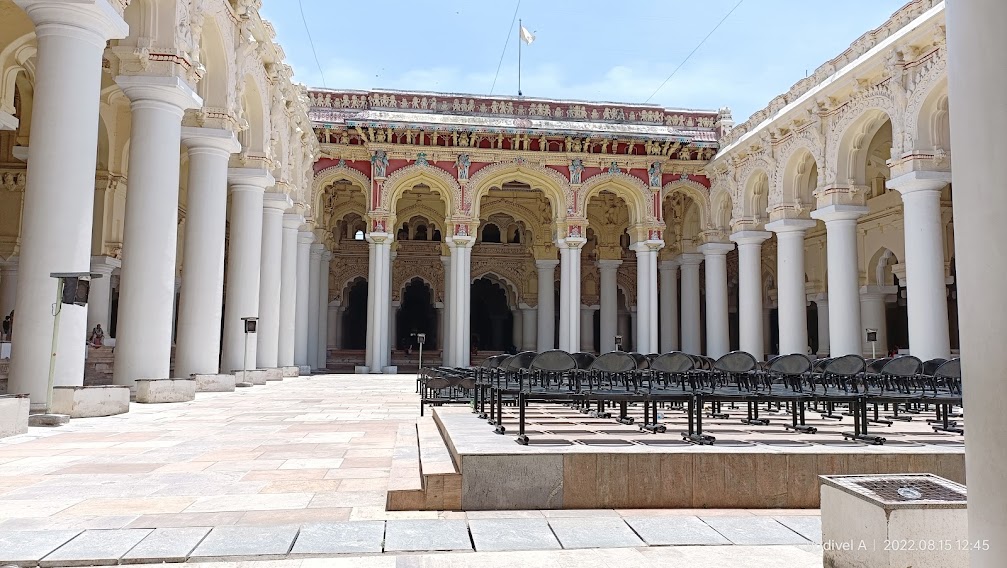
(527, 36)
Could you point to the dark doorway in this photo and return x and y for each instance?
(492, 322)
(416, 315)
(355, 318)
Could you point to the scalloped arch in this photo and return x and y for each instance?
(553, 184)
(930, 80)
(337, 173)
(403, 179)
(696, 191)
(876, 99)
(631, 189)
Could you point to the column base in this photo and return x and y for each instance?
(214, 383)
(274, 374)
(361, 369)
(390, 370)
(47, 420)
(253, 376)
(14, 414)
(90, 402)
(150, 391)
(303, 370)
(290, 372)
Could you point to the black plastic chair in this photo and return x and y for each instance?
(945, 390)
(786, 376)
(551, 376)
(669, 380)
(612, 379)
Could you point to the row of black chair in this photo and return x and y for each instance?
(691, 382)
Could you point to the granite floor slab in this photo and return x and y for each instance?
(426, 535)
(340, 538)
(512, 534)
(594, 532)
(259, 543)
(808, 526)
(23, 547)
(675, 530)
(97, 547)
(754, 530)
(172, 544)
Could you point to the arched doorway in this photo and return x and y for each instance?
(492, 322)
(355, 318)
(417, 315)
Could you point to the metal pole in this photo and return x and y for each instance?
(57, 310)
(519, 42)
(244, 360)
(421, 356)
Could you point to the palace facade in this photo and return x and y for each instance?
(348, 222)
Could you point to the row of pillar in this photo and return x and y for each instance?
(71, 40)
(843, 311)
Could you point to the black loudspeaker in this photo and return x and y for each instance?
(76, 290)
(872, 335)
(250, 325)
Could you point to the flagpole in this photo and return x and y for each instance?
(519, 42)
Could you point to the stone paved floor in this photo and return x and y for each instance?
(284, 463)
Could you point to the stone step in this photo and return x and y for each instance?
(423, 475)
(405, 483)
(442, 482)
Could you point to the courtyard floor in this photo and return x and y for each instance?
(300, 469)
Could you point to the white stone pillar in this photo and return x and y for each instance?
(822, 304)
(668, 307)
(927, 302)
(200, 305)
(646, 293)
(247, 187)
(8, 286)
(718, 333)
(322, 361)
(267, 338)
(393, 310)
(288, 290)
(873, 313)
(150, 232)
(751, 324)
(632, 345)
(546, 304)
(692, 341)
(447, 329)
(569, 293)
(99, 298)
(844, 325)
(624, 326)
(587, 328)
(301, 299)
(529, 323)
(977, 51)
(608, 271)
(378, 300)
(313, 301)
(59, 197)
(793, 314)
(461, 291)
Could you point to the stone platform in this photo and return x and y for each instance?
(575, 461)
(13, 414)
(90, 401)
(150, 391)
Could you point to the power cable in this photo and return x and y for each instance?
(722, 20)
(311, 42)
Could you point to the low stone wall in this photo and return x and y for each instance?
(91, 401)
(150, 391)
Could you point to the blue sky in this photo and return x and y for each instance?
(584, 49)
